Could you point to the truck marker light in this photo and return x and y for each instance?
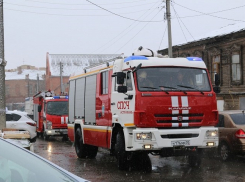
(147, 146)
(210, 144)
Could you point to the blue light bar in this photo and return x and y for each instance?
(135, 58)
(194, 59)
(60, 97)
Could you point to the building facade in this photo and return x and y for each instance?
(224, 54)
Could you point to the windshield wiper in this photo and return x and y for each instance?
(149, 87)
(191, 88)
(167, 87)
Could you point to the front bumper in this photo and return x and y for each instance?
(56, 132)
(170, 138)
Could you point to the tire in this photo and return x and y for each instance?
(224, 151)
(81, 149)
(121, 154)
(33, 140)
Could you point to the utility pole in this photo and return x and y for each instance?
(2, 72)
(37, 83)
(170, 54)
(61, 78)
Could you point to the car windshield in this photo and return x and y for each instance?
(173, 79)
(17, 164)
(57, 108)
(238, 118)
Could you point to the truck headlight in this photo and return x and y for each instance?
(213, 133)
(49, 125)
(143, 136)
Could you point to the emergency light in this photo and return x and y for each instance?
(60, 97)
(130, 58)
(194, 59)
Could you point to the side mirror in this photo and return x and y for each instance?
(39, 108)
(216, 89)
(216, 79)
(122, 89)
(120, 77)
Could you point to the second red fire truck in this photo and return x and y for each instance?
(51, 114)
(140, 105)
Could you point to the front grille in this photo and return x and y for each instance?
(176, 115)
(183, 121)
(171, 136)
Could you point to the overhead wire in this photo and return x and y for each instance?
(163, 36)
(128, 27)
(137, 33)
(214, 12)
(121, 15)
(69, 8)
(207, 13)
(45, 2)
(182, 23)
(179, 23)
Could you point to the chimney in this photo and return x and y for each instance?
(19, 70)
(27, 77)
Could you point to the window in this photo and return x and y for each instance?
(129, 82)
(104, 81)
(236, 67)
(16, 117)
(9, 117)
(216, 63)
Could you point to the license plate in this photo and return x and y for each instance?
(180, 143)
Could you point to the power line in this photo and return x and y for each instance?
(45, 2)
(137, 33)
(163, 36)
(71, 8)
(214, 12)
(120, 15)
(123, 32)
(179, 23)
(183, 23)
(207, 13)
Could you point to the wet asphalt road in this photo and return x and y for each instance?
(104, 167)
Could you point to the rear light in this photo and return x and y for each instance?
(32, 124)
(240, 134)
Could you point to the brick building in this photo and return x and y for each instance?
(223, 51)
(22, 82)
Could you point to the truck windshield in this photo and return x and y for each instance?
(172, 79)
(57, 108)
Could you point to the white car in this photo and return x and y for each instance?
(20, 121)
(19, 164)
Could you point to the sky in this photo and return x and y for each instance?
(34, 27)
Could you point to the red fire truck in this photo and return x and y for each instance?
(139, 105)
(51, 114)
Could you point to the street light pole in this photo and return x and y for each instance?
(2, 72)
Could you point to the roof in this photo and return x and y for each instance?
(75, 63)
(231, 28)
(32, 74)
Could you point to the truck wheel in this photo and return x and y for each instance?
(81, 149)
(120, 151)
(92, 151)
(224, 151)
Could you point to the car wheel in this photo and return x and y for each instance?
(224, 151)
(80, 147)
(120, 151)
(33, 140)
